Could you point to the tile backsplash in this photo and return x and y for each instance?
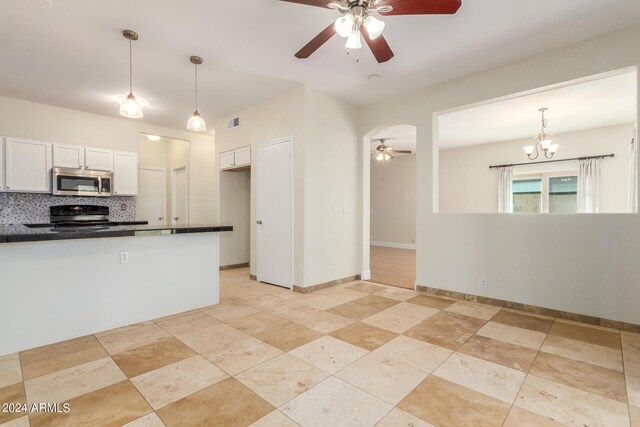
(19, 208)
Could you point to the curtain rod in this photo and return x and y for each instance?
(602, 156)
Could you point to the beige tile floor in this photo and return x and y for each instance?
(358, 354)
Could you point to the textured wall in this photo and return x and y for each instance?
(18, 208)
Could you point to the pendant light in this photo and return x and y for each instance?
(196, 123)
(131, 107)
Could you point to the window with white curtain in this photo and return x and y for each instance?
(552, 192)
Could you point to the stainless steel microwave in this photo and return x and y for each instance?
(75, 182)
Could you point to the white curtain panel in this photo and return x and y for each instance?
(633, 177)
(589, 186)
(505, 190)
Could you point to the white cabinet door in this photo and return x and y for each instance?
(125, 174)
(98, 159)
(227, 160)
(243, 156)
(2, 164)
(28, 166)
(68, 156)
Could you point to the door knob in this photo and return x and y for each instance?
(259, 222)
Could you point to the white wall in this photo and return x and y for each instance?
(276, 118)
(325, 135)
(235, 210)
(588, 264)
(467, 185)
(39, 121)
(393, 201)
(331, 217)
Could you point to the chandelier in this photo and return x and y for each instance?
(544, 142)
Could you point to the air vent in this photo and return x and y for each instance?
(233, 123)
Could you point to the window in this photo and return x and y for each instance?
(527, 195)
(555, 192)
(563, 194)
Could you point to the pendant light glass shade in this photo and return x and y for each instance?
(344, 25)
(354, 41)
(131, 108)
(374, 27)
(196, 123)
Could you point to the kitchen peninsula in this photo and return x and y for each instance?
(58, 285)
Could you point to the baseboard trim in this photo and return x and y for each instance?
(592, 320)
(394, 245)
(233, 266)
(365, 275)
(325, 285)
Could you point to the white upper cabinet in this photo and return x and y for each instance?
(68, 156)
(28, 165)
(235, 159)
(2, 164)
(226, 160)
(243, 156)
(125, 174)
(98, 159)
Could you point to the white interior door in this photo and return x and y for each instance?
(179, 199)
(275, 213)
(150, 205)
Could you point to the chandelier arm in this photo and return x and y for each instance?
(537, 152)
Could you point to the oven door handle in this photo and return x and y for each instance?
(99, 186)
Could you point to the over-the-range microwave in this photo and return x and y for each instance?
(75, 182)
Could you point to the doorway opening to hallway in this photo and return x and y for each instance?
(393, 206)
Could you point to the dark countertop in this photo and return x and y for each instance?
(15, 233)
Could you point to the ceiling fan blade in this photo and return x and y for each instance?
(379, 46)
(318, 3)
(318, 41)
(402, 151)
(421, 7)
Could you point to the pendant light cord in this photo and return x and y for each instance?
(196, 65)
(130, 67)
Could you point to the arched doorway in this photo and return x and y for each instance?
(390, 182)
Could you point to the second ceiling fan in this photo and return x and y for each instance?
(358, 20)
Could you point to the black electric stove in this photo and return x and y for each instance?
(66, 217)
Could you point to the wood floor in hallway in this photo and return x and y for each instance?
(395, 267)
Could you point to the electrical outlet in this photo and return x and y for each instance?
(124, 257)
(484, 282)
(123, 207)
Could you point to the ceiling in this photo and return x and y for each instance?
(71, 53)
(599, 103)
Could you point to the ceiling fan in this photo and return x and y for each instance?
(358, 20)
(385, 152)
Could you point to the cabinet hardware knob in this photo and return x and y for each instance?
(259, 222)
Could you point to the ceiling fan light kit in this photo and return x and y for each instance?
(358, 22)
